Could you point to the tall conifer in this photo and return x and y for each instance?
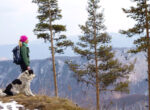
(48, 30)
(140, 14)
(101, 70)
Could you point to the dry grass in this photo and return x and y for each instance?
(42, 102)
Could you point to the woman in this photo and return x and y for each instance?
(24, 53)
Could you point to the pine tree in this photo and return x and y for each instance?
(140, 14)
(101, 70)
(47, 29)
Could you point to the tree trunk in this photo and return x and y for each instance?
(148, 51)
(96, 63)
(53, 57)
(54, 67)
(97, 84)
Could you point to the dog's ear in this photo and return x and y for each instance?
(31, 72)
(27, 72)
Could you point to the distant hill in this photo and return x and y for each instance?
(129, 102)
(40, 50)
(68, 85)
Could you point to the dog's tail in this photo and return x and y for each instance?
(2, 94)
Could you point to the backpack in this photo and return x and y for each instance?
(16, 55)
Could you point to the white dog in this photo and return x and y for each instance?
(20, 85)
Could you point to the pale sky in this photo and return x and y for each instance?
(18, 17)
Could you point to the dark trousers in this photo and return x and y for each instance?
(23, 67)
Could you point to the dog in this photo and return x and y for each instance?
(20, 85)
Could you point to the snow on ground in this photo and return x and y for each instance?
(10, 106)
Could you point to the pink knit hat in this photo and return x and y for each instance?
(23, 38)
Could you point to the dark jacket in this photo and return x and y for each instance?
(24, 52)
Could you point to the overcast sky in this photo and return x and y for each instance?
(18, 17)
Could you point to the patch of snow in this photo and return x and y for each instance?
(140, 67)
(10, 106)
(60, 69)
